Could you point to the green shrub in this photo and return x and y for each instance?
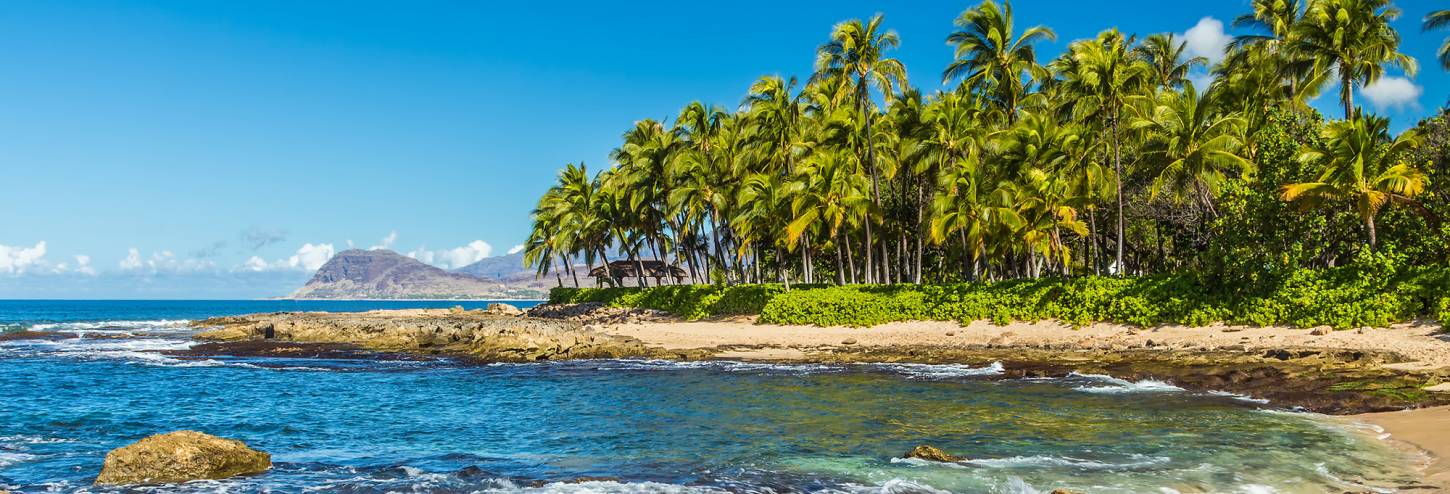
(1372, 291)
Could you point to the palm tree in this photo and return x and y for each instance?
(858, 50)
(1037, 207)
(1352, 37)
(1194, 145)
(1102, 76)
(1440, 19)
(1362, 165)
(699, 126)
(988, 58)
(1165, 55)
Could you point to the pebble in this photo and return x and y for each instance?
(849, 341)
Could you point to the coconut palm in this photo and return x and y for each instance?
(1193, 144)
(775, 114)
(1361, 165)
(857, 51)
(1036, 208)
(1440, 19)
(1353, 38)
(990, 59)
(1102, 75)
(1166, 57)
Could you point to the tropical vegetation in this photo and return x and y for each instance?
(1121, 164)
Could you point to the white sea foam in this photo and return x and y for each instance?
(1042, 461)
(1236, 396)
(895, 486)
(941, 371)
(7, 458)
(122, 324)
(1113, 385)
(1256, 489)
(28, 439)
(138, 350)
(607, 487)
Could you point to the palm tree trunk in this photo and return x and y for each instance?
(967, 257)
(1373, 235)
(719, 254)
(569, 266)
(850, 260)
(840, 262)
(1118, 165)
(608, 271)
(1346, 92)
(920, 231)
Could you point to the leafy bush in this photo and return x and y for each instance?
(688, 301)
(1372, 291)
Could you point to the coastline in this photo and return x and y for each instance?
(1425, 431)
(1396, 379)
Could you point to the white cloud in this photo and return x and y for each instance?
(310, 257)
(387, 241)
(516, 249)
(1207, 39)
(83, 265)
(163, 261)
(1393, 92)
(15, 260)
(132, 261)
(454, 258)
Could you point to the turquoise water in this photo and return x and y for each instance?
(647, 426)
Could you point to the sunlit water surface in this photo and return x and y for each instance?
(634, 426)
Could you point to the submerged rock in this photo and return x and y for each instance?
(932, 453)
(180, 457)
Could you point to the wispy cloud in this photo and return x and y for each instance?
(258, 237)
(387, 241)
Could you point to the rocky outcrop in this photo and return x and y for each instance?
(932, 453)
(597, 313)
(477, 334)
(501, 309)
(181, 456)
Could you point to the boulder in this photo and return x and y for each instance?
(931, 453)
(180, 457)
(503, 310)
(1321, 331)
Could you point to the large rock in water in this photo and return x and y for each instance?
(180, 457)
(932, 453)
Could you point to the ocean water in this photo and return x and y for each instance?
(631, 426)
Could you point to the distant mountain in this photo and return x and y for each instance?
(499, 268)
(386, 274)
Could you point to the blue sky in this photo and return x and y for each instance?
(220, 149)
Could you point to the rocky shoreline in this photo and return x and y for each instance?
(1325, 380)
(500, 335)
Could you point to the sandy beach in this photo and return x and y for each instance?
(1426, 430)
(1421, 346)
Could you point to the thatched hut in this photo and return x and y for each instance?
(618, 270)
